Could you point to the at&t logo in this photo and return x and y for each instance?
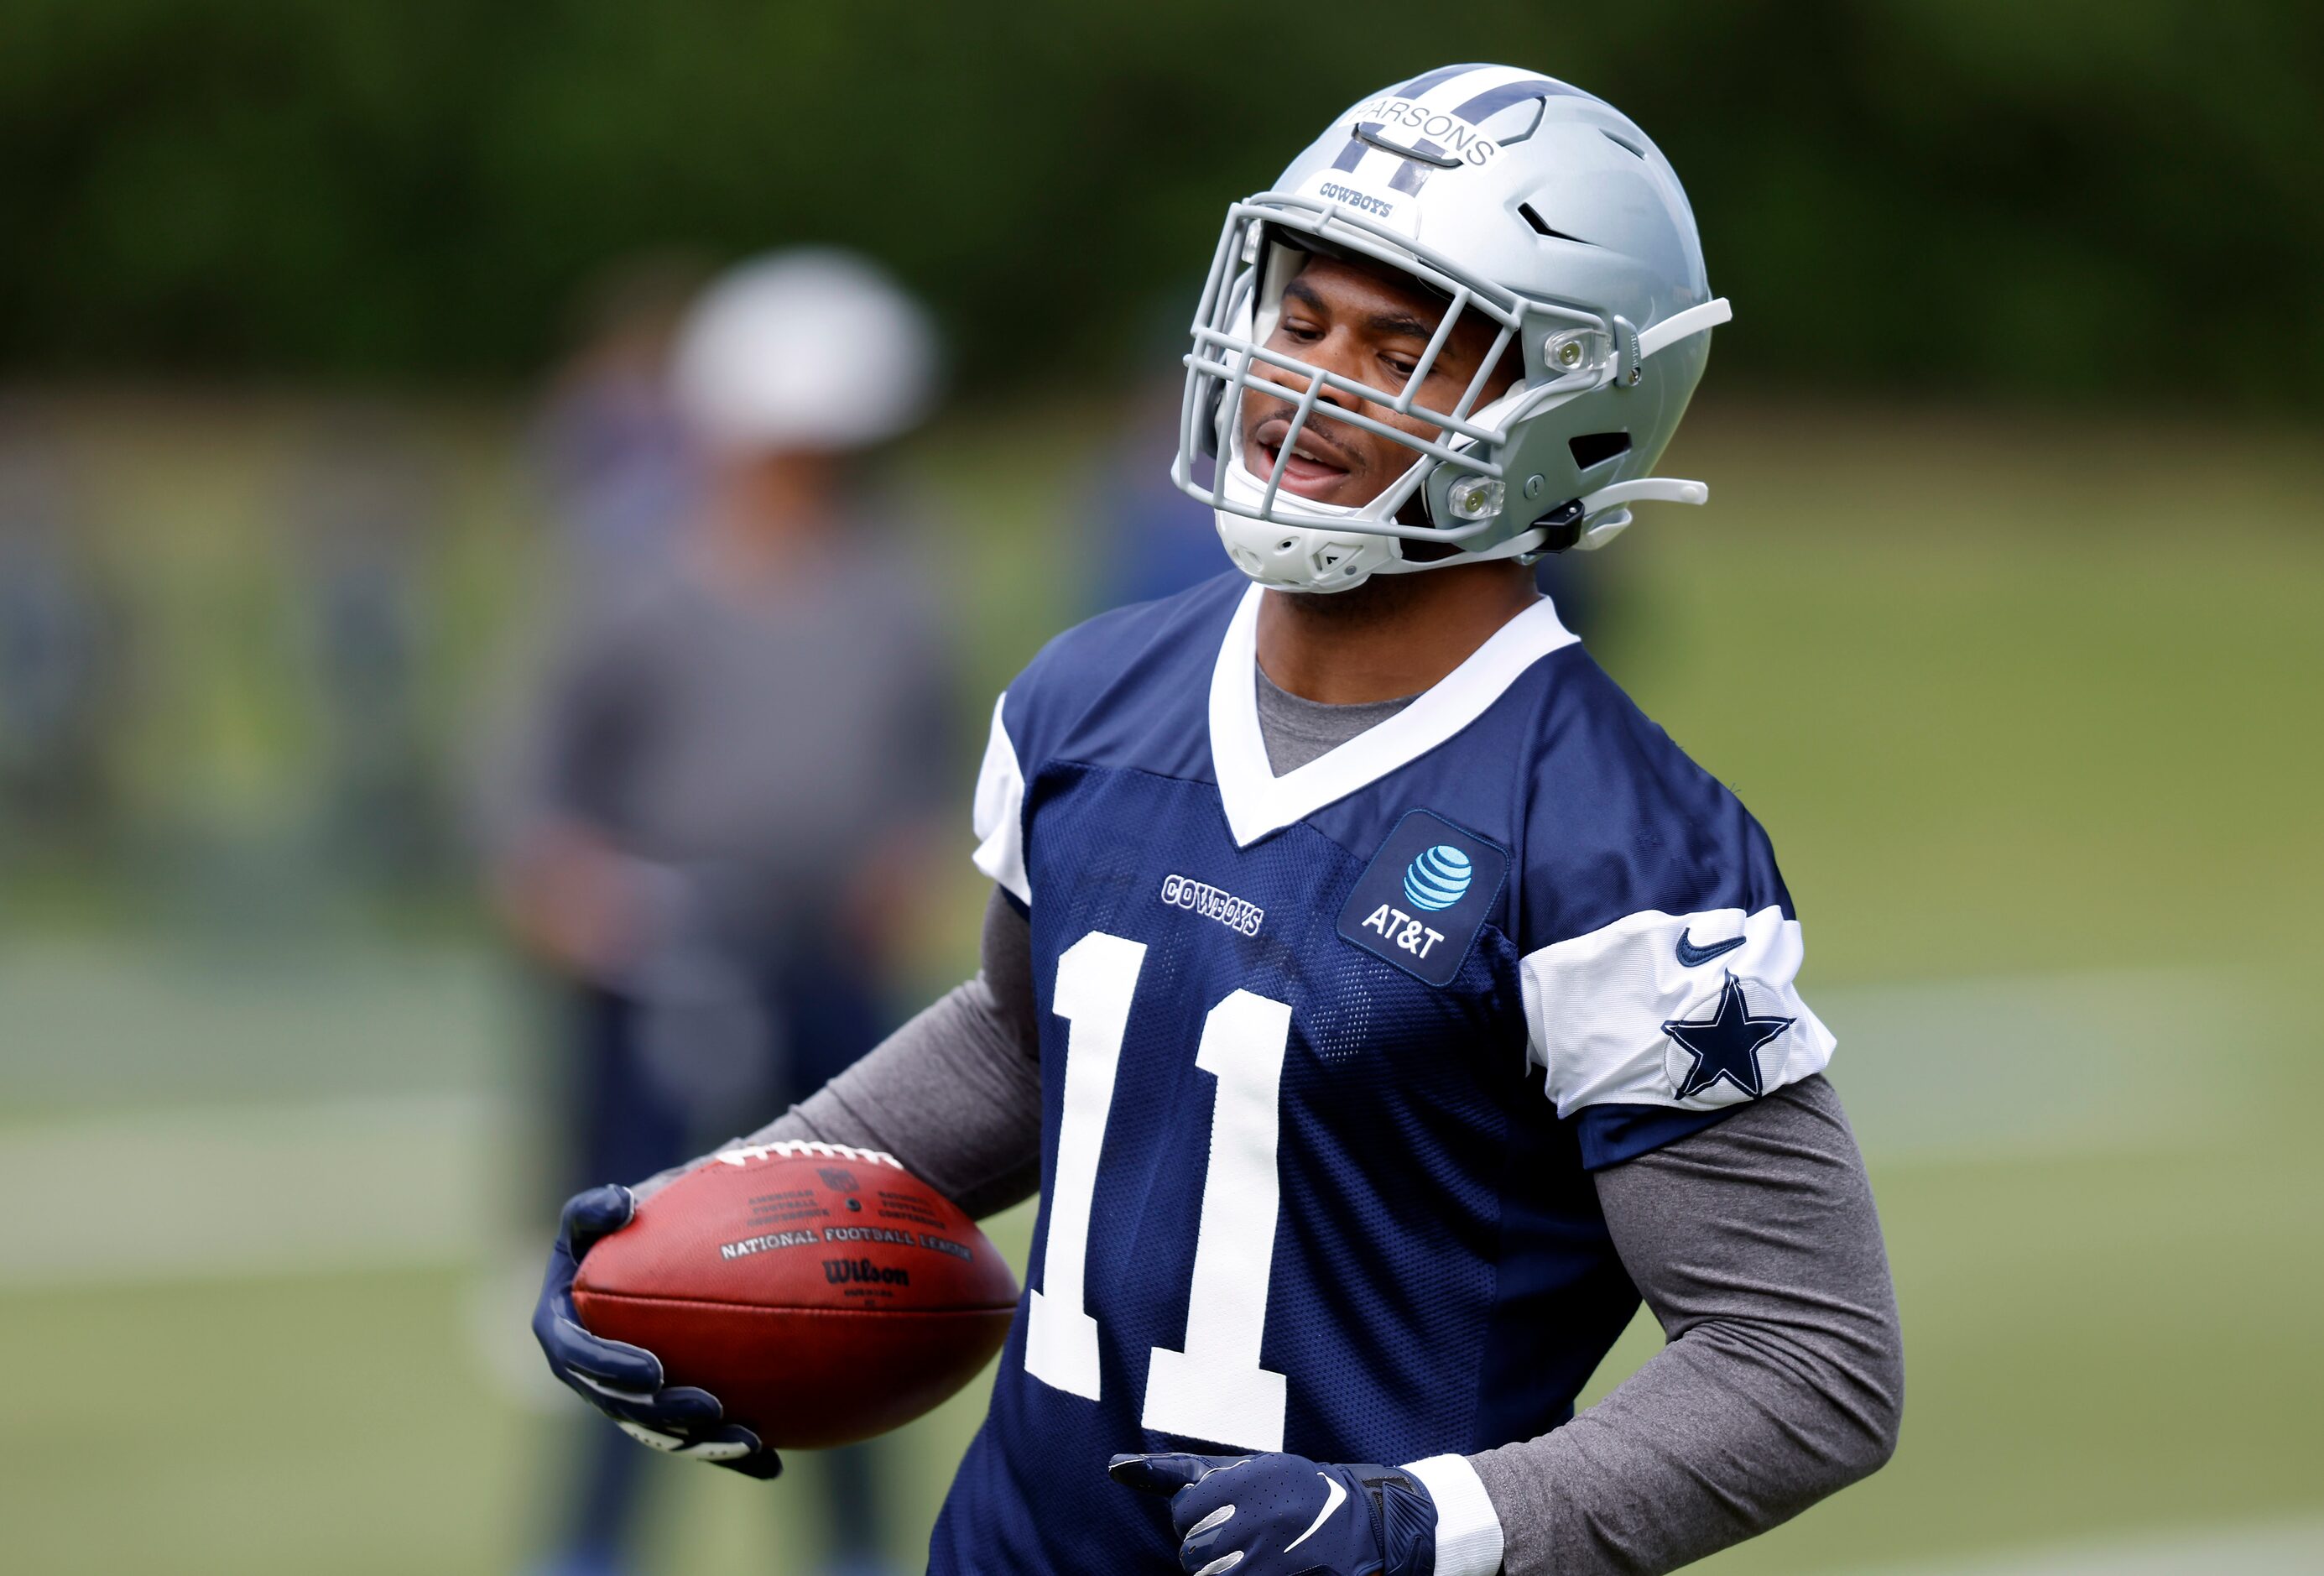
(1438, 878)
(1401, 931)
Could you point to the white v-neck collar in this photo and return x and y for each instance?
(1258, 801)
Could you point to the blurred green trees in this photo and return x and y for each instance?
(2077, 196)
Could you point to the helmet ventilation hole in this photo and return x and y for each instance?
(1528, 212)
(1623, 144)
(1597, 448)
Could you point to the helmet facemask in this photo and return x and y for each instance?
(1454, 491)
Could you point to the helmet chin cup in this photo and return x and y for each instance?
(1305, 558)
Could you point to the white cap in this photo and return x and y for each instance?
(815, 349)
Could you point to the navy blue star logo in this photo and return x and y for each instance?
(1726, 1045)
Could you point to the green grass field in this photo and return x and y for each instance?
(2031, 709)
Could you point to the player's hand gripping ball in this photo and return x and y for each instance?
(623, 1381)
(1286, 1516)
(790, 1295)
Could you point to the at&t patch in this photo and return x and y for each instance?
(1421, 900)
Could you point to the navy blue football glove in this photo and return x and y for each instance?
(623, 1381)
(1286, 1516)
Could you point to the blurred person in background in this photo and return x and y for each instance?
(713, 827)
(609, 444)
(1151, 539)
(363, 504)
(60, 666)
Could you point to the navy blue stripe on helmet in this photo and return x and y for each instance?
(1493, 100)
(1424, 82)
(1411, 174)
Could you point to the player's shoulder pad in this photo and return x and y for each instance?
(1125, 684)
(1619, 820)
(1128, 688)
(1658, 942)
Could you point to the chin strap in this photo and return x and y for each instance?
(1602, 516)
(1650, 489)
(1523, 545)
(1679, 325)
(1606, 512)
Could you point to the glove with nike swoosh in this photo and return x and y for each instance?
(623, 1381)
(1286, 1516)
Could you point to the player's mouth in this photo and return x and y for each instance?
(1317, 466)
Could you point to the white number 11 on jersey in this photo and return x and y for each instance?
(1214, 1388)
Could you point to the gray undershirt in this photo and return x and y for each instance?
(1753, 1242)
(1297, 729)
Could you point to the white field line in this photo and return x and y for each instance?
(2266, 1548)
(248, 1191)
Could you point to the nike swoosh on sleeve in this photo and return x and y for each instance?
(1332, 1495)
(1689, 955)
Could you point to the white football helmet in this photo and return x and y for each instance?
(814, 349)
(1512, 195)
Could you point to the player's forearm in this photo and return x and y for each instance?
(1757, 1245)
(955, 1094)
(942, 1096)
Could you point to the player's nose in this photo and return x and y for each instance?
(1338, 354)
(1341, 354)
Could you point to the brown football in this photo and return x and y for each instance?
(822, 1293)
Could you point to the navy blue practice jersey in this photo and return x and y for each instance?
(1327, 1059)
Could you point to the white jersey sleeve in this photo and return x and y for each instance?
(1690, 1011)
(1000, 810)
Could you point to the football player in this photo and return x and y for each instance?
(1378, 1003)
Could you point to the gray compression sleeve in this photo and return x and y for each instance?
(955, 1094)
(1756, 1245)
